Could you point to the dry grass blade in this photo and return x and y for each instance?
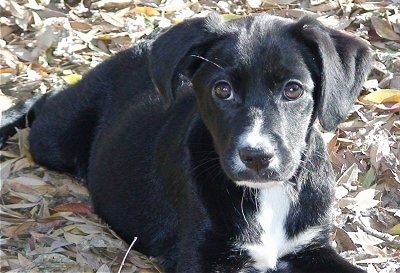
(126, 255)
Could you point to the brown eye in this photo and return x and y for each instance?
(223, 90)
(292, 91)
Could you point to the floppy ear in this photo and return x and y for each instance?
(170, 53)
(344, 62)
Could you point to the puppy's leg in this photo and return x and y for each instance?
(62, 132)
(320, 260)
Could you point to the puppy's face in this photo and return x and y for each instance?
(255, 95)
(258, 81)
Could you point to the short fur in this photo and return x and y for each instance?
(207, 184)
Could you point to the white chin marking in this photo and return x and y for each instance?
(259, 185)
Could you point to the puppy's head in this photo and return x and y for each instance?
(260, 82)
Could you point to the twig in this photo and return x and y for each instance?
(388, 239)
(126, 255)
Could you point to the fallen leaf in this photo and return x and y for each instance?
(343, 239)
(362, 238)
(382, 96)
(373, 260)
(103, 269)
(371, 269)
(277, 2)
(80, 25)
(72, 78)
(113, 4)
(349, 176)
(15, 231)
(54, 262)
(374, 250)
(45, 38)
(149, 11)
(392, 107)
(384, 29)
(90, 229)
(23, 261)
(341, 192)
(17, 10)
(80, 208)
(112, 19)
(365, 199)
(74, 238)
(369, 178)
(395, 230)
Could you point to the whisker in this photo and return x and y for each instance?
(241, 207)
(207, 60)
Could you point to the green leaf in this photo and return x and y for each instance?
(369, 178)
(395, 230)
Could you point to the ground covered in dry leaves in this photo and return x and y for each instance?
(47, 224)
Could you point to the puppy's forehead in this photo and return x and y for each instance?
(265, 36)
(260, 38)
(260, 47)
(250, 24)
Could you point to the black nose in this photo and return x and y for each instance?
(255, 159)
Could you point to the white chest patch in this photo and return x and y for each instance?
(274, 207)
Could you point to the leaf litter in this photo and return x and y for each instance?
(47, 222)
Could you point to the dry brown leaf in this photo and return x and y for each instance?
(27, 181)
(88, 259)
(342, 238)
(17, 230)
(349, 176)
(103, 269)
(23, 261)
(379, 150)
(279, 2)
(8, 58)
(74, 238)
(80, 208)
(81, 25)
(113, 19)
(374, 250)
(393, 107)
(90, 229)
(56, 262)
(44, 40)
(362, 238)
(17, 10)
(5, 31)
(113, 4)
(384, 29)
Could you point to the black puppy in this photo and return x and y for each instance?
(231, 176)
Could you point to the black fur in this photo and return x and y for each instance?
(166, 168)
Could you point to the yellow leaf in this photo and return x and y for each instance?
(149, 11)
(382, 96)
(72, 78)
(230, 16)
(395, 230)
